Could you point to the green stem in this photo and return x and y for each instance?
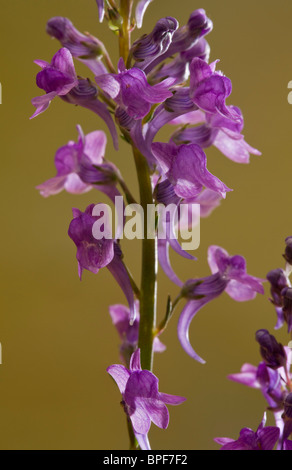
(148, 290)
(133, 441)
(125, 29)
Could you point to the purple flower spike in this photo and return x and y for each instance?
(100, 6)
(120, 315)
(229, 274)
(140, 11)
(265, 438)
(93, 254)
(149, 47)
(85, 47)
(185, 167)
(74, 162)
(209, 89)
(130, 89)
(142, 401)
(56, 78)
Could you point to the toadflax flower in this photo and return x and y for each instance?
(120, 315)
(130, 89)
(229, 275)
(77, 164)
(94, 254)
(265, 438)
(56, 78)
(142, 401)
(185, 167)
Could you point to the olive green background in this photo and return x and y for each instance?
(55, 331)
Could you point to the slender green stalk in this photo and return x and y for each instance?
(148, 290)
(125, 32)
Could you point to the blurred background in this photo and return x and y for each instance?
(56, 334)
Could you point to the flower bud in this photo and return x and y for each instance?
(288, 250)
(272, 352)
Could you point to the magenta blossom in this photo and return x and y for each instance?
(56, 79)
(142, 401)
(93, 254)
(130, 89)
(229, 275)
(209, 89)
(186, 168)
(217, 130)
(265, 438)
(76, 167)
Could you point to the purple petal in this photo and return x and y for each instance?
(52, 186)
(157, 412)
(120, 375)
(135, 362)
(42, 103)
(140, 11)
(142, 439)
(171, 399)
(234, 147)
(194, 117)
(268, 437)
(190, 310)
(287, 445)
(247, 376)
(164, 261)
(119, 272)
(100, 6)
(158, 346)
(94, 148)
(109, 84)
(223, 440)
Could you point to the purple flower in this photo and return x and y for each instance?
(100, 6)
(85, 47)
(141, 8)
(129, 334)
(209, 89)
(185, 167)
(131, 90)
(142, 401)
(59, 79)
(149, 47)
(56, 78)
(93, 254)
(229, 275)
(217, 130)
(75, 164)
(273, 353)
(265, 438)
(278, 280)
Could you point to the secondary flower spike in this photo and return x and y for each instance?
(229, 275)
(142, 401)
(265, 438)
(93, 254)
